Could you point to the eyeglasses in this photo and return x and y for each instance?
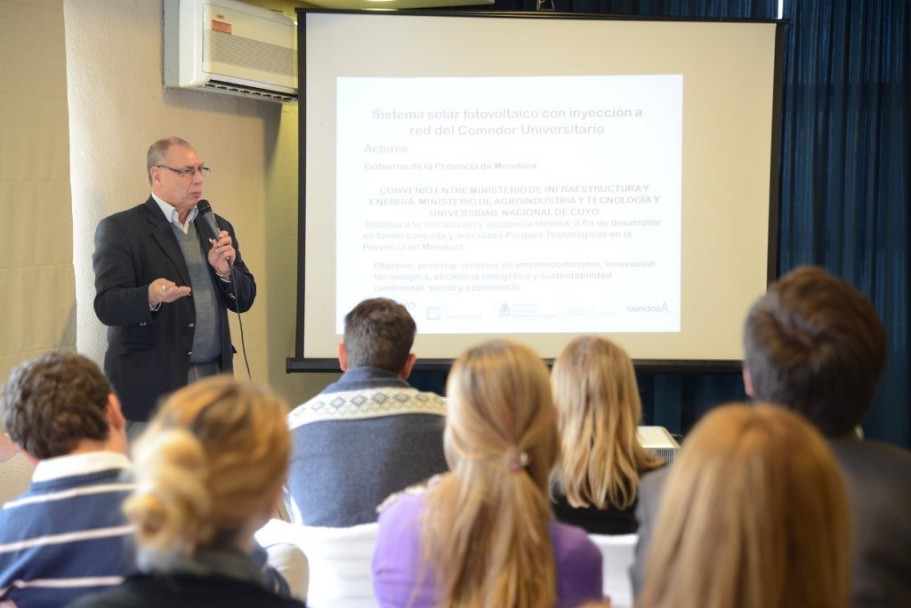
(188, 172)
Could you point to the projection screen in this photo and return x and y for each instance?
(537, 177)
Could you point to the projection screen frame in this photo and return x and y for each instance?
(301, 363)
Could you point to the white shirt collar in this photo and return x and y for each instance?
(170, 213)
(79, 464)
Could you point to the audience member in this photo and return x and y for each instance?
(66, 535)
(815, 344)
(597, 476)
(754, 516)
(369, 434)
(147, 260)
(483, 535)
(209, 471)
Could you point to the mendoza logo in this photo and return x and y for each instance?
(648, 308)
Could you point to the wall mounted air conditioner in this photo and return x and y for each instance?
(230, 47)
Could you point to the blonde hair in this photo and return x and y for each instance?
(212, 459)
(599, 408)
(486, 529)
(754, 515)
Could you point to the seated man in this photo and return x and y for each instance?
(66, 535)
(369, 434)
(815, 345)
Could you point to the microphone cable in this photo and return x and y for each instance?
(208, 216)
(240, 323)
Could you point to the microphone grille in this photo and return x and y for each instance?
(204, 206)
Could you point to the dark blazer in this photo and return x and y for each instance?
(878, 478)
(651, 487)
(149, 351)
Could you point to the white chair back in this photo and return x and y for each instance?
(617, 553)
(340, 561)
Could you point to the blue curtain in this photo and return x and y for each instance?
(845, 164)
(725, 9)
(846, 156)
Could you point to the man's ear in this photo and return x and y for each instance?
(409, 365)
(114, 413)
(117, 427)
(342, 357)
(748, 382)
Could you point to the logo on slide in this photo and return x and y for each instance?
(504, 311)
(648, 308)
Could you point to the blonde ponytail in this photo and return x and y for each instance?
(486, 528)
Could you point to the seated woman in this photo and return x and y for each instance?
(209, 473)
(483, 534)
(596, 480)
(754, 514)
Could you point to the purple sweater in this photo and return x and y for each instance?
(398, 562)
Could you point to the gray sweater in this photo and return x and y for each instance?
(363, 438)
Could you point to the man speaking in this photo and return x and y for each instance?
(166, 273)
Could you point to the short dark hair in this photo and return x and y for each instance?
(52, 402)
(379, 332)
(815, 344)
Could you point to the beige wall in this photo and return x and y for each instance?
(118, 106)
(80, 101)
(37, 303)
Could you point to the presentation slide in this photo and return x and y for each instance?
(478, 215)
(501, 191)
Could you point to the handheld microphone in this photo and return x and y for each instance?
(208, 220)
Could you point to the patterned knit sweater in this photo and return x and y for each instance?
(363, 438)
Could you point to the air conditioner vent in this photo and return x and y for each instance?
(253, 54)
(246, 91)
